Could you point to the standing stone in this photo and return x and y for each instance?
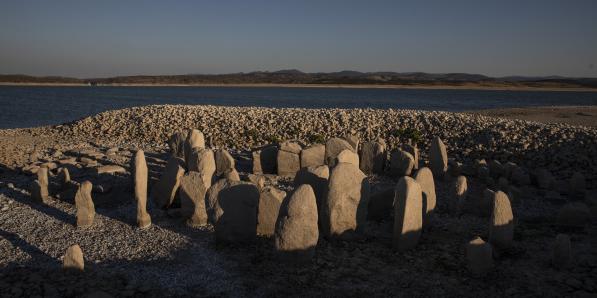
(459, 190)
(438, 158)
(333, 147)
(353, 140)
(414, 152)
(313, 156)
(288, 163)
(211, 204)
(373, 158)
(501, 230)
(195, 139)
(176, 144)
(401, 163)
(192, 198)
(479, 257)
(345, 208)
(257, 179)
(578, 184)
(164, 191)
(408, 218)
(485, 204)
(317, 177)
(238, 221)
(348, 156)
(265, 160)
(84, 203)
(73, 259)
(202, 160)
(141, 176)
(270, 200)
(424, 178)
(381, 204)
(297, 230)
(561, 257)
(63, 177)
(224, 162)
(232, 175)
(39, 187)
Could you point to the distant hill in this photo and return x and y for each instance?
(345, 77)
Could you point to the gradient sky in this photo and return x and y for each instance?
(107, 38)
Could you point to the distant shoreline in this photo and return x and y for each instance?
(347, 86)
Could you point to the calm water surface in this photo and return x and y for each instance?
(26, 106)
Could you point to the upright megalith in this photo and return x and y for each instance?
(501, 230)
(317, 177)
(237, 222)
(353, 140)
(39, 188)
(211, 200)
(176, 143)
(195, 139)
(313, 156)
(348, 156)
(458, 195)
(64, 177)
(345, 207)
(424, 178)
(401, 163)
(333, 147)
(414, 152)
(224, 161)
(140, 181)
(561, 256)
(289, 161)
(264, 160)
(479, 257)
(164, 191)
(438, 158)
(408, 218)
(73, 259)
(192, 198)
(297, 231)
(270, 200)
(202, 160)
(373, 157)
(84, 203)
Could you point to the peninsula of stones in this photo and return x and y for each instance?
(239, 201)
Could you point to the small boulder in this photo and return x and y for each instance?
(84, 204)
(408, 218)
(348, 156)
(501, 229)
(73, 259)
(333, 147)
(479, 257)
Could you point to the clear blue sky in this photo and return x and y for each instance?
(107, 38)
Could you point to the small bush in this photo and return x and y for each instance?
(408, 133)
(317, 139)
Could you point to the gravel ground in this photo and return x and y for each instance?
(171, 259)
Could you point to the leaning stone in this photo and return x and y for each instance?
(578, 185)
(297, 232)
(195, 139)
(438, 158)
(238, 220)
(176, 143)
(192, 198)
(345, 208)
(373, 158)
(202, 160)
(575, 215)
(232, 175)
(561, 256)
(479, 257)
(414, 152)
(424, 178)
(110, 169)
(317, 177)
(401, 163)
(313, 156)
(140, 180)
(408, 221)
(224, 162)
(288, 163)
(380, 204)
(264, 160)
(164, 191)
(459, 191)
(84, 203)
(73, 259)
(501, 230)
(348, 156)
(270, 200)
(333, 147)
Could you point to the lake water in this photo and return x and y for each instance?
(34, 106)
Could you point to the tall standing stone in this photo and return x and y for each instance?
(192, 198)
(270, 200)
(176, 143)
(39, 187)
(164, 191)
(264, 160)
(561, 256)
(297, 230)
(479, 257)
(63, 177)
(408, 218)
(313, 156)
(345, 208)
(414, 152)
(333, 147)
(459, 191)
(501, 230)
(438, 158)
(202, 160)
(401, 163)
(195, 139)
(224, 162)
(73, 259)
(141, 176)
(238, 220)
(373, 157)
(317, 177)
(288, 160)
(348, 156)
(424, 178)
(84, 203)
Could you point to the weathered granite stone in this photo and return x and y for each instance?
(176, 143)
(257, 179)
(265, 160)
(317, 177)
(211, 204)
(380, 204)
(195, 139)
(202, 160)
(238, 220)
(401, 163)
(408, 216)
(297, 232)
(414, 152)
(192, 198)
(232, 175)
(73, 259)
(424, 178)
(164, 191)
(39, 188)
(140, 181)
(333, 147)
(345, 208)
(373, 157)
(224, 162)
(562, 255)
(290, 146)
(479, 257)
(501, 229)
(459, 191)
(348, 156)
(85, 207)
(438, 158)
(270, 200)
(313, 156)
(63, 177)
(353, 140)
(288, 163)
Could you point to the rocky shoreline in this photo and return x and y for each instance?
(172, 258)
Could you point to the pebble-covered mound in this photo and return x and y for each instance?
(558, 147)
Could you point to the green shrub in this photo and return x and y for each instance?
(317, 139)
